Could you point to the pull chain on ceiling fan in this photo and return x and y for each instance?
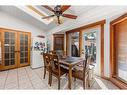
(59, 12)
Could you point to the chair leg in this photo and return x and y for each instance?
(74, 79)
(84, 85)
(44, 73)
(88, 81)
(58, 83)
(51, 79)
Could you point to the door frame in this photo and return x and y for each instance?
(113, 65)
(2, 44)
(80, 29)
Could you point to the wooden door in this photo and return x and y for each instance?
(23, 49)
(14, 49)
(58, 43)
(9, 48)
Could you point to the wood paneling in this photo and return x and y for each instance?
(118, 45)
(37, 11)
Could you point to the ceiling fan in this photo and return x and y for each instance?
(58, 12)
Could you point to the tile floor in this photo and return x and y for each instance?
(27, 78)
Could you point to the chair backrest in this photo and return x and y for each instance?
(86, 63)
(60, 53)
(47, 59)
(52, 52)
(55, 63)
(55, 60)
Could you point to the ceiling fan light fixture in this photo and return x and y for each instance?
(56, 19)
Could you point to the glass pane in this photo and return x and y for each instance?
(22, 54)
(6, 48)
(22, 60)
(26, 54)
(12, 48)
(6, 62)
(6, 35)
(12, 62)
(12, 41)
(22, 49)
(6, 56)
(12, 55)
(26, 48)
(26, 38)
(6, 41)
(75, 44)
(12, 35)
(89, 44)
(26, 60)
(9, 54)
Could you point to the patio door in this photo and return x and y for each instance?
(15, 50)
(91, 45)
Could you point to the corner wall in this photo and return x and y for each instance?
(11, 22)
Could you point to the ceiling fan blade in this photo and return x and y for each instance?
(64, 7)
(69, 16)
(48, 17)
(47, 7)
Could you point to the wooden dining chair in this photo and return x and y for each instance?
(82, 72)
(46, 58)
(56, 69)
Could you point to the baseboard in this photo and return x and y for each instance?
(106, 78)
(118, 83)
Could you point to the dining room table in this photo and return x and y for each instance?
(69, 62)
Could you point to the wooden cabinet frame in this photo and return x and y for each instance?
(101, 23)
(113, 65)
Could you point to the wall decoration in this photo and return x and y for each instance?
(40, 46)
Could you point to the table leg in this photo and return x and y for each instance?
(70, 77)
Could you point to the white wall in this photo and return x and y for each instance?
(11, 22)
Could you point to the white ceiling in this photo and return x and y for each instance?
(19, 13)
(85, 14)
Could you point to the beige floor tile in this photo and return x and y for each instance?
(26, 78)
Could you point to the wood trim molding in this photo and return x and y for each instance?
(37, 11)
(102, 51)
(118, 83)
(113, 72)
(119, 19)
(88, 26)
(13, 30)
